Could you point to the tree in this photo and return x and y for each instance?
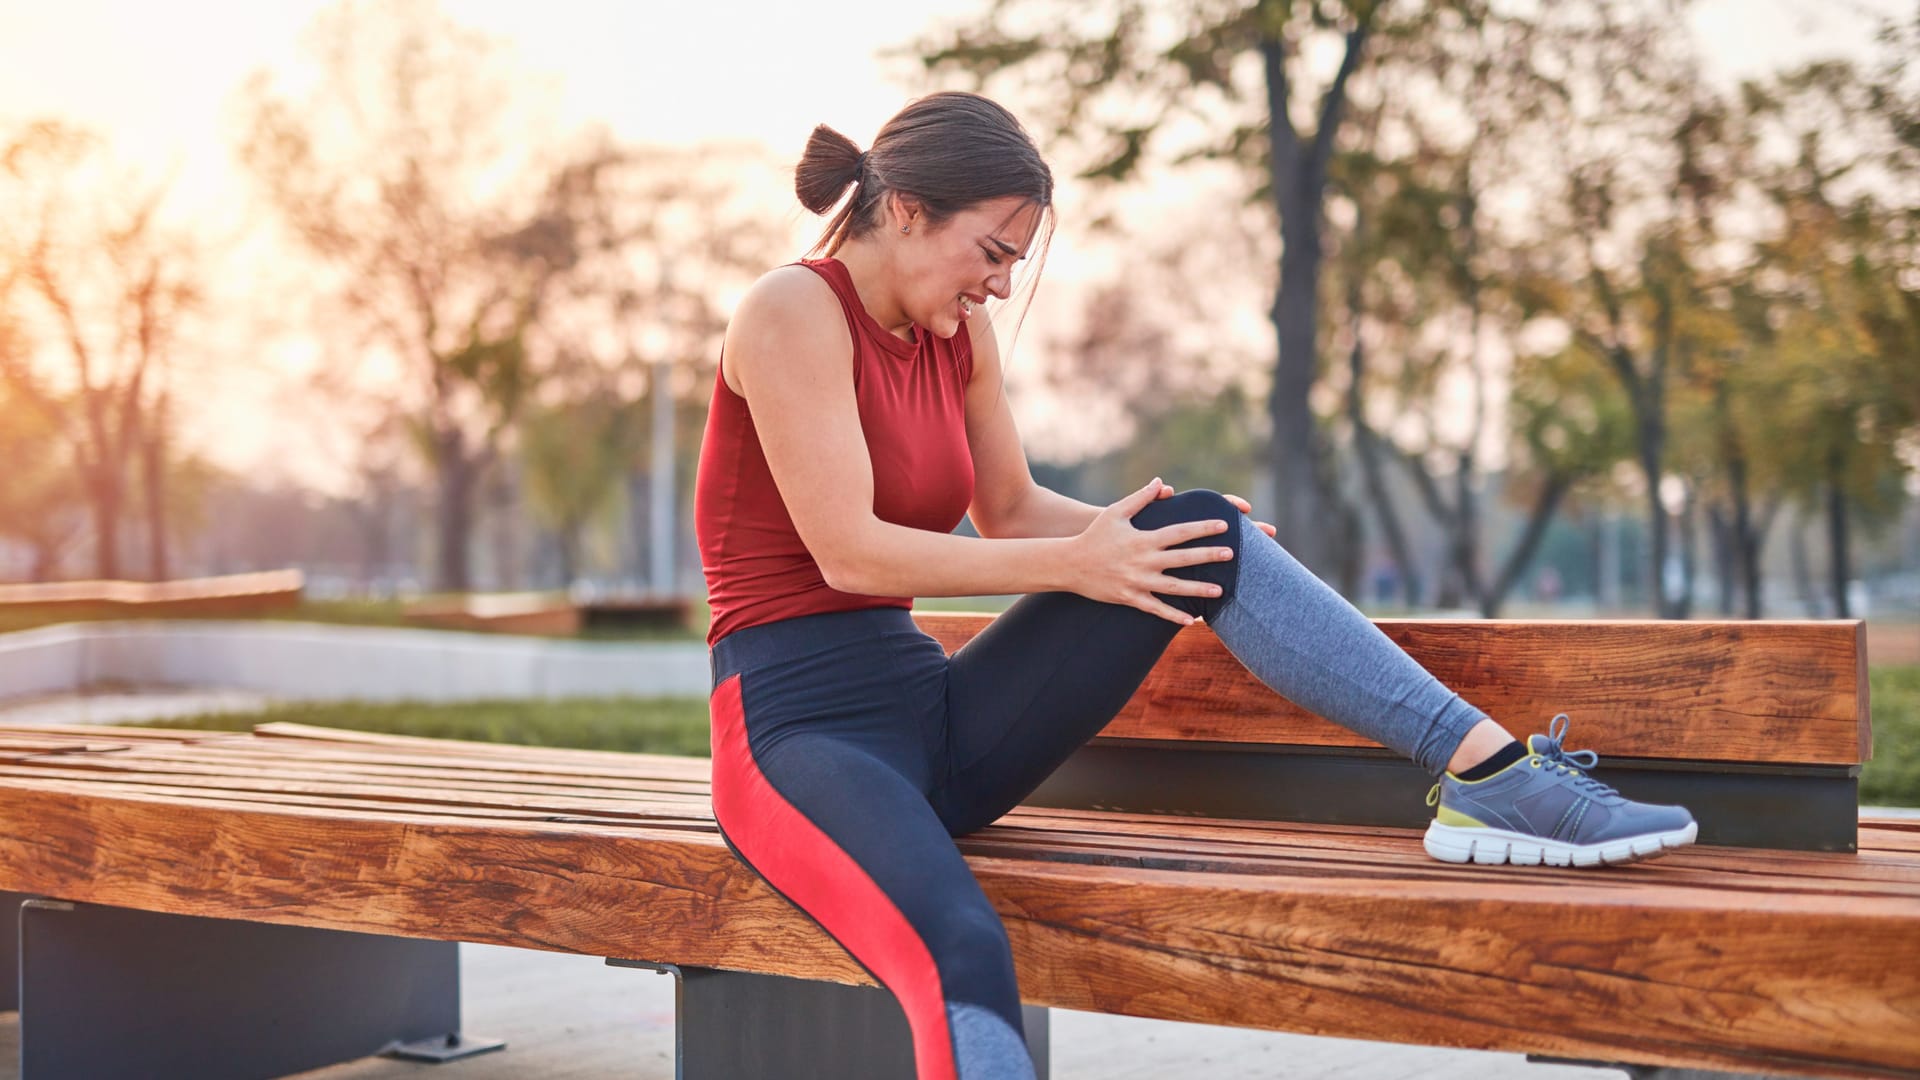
(37, 490)
(1842, 319)
(1131, 74)
(1239, 82)
(390, 173)
(113, 287)
(575, 454)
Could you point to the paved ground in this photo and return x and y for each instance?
(575, 1018)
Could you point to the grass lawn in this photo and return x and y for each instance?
(1892, 778)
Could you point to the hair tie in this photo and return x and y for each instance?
(859, 166)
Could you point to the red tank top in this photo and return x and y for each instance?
(912, 402)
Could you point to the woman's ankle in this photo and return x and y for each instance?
(1483, 741)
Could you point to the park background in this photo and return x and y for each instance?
(1600, 309)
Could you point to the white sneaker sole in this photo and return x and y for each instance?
(1491, 847)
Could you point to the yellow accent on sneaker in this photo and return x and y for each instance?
(1447, 815)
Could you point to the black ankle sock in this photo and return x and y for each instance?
(1501, 758)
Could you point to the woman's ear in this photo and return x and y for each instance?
(907, 210)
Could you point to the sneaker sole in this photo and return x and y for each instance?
(1492, 847)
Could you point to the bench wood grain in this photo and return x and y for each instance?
(1791, 963)
(1762, 692)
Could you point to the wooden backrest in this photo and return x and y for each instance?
(1766, 692)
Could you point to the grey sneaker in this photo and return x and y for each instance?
(1545, 808)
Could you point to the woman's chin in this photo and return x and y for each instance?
(944, 327)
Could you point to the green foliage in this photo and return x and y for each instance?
(1892, 778)
(631, 725)
(575, 454)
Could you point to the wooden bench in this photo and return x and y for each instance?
(230, 595)
(550, 614)
(309, 883)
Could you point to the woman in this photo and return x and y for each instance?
(858, 414)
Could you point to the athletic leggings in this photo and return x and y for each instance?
(849, 749)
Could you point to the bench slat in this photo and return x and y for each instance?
(1098, 837)
(1763, 692)
(1673, 974)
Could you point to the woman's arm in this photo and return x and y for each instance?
(1006, 500)
(789, 354)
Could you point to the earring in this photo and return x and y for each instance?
(903, 228)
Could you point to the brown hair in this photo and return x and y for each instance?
(946, 151)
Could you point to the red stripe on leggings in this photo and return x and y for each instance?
(791, 852)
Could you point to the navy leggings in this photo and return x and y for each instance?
(849, 749)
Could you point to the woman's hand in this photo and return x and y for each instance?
(1239, 504)
(1247, 508)
(1120, 564)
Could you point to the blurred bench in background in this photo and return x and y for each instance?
(549, 614)
(232, 595)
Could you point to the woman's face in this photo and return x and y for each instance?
(952, 268)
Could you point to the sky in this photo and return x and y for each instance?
(159, 82)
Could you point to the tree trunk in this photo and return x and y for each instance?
(1367, 450)
(1753, 541)
(1466, 539)
(1689, 539)
(153, 461)
(1726, 558)
(104, 497)
(1838, 561)
(1302, 516)
(1650, 451)
(569, 538)
(1297, 174)
(1802, 569)
(1522, 556)
(454, 514)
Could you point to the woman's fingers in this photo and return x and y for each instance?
(1194, 556)
(1168, 585)
(1182, 531)
(1153, 605)
(1239, 503)
(1138, 501)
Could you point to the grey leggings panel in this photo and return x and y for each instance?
(1304, 640)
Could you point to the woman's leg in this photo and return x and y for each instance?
(1052, 670)
(1057, 670)
(832, 817)
(1303, 639)
(1048, 674)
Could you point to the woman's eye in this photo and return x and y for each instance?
(991, 257)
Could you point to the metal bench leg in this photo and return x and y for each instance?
(734, 1026)
(110, 992)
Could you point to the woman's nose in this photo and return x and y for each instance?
(999, 286)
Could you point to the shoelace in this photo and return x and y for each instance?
(1571, 762)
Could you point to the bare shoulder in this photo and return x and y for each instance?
(789, 315)
(985, 345)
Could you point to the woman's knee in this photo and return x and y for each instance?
(1199, 504)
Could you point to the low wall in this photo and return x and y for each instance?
(314, 662)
